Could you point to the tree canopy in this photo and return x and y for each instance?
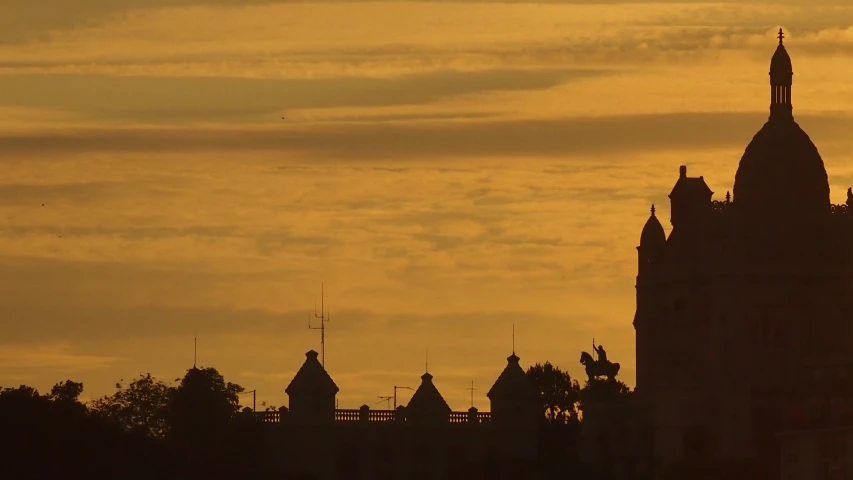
(558, 392)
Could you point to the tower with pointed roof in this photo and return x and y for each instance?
(427, 406)
(743, 289)
(312, 392)
(513, 399)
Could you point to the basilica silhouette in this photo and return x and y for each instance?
(743, 319)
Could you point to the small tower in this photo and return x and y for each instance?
(652, 244)
(514, 400)
(312, 392)
(690, 200)
(427, 406)
(781, 78)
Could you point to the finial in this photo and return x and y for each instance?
(653, 209)
(780, 36)
(728, 197)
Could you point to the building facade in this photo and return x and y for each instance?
(422, 440)
(746, 292)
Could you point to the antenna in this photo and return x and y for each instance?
(426, 366)
(472, 392)
(195, 349)
(395, 393)
(323, 319)
(513, 340)
(385, 399)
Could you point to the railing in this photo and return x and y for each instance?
(270, 416)
(346, 415)
(381, 416)
(458, 417)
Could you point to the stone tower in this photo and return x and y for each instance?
(312, 392)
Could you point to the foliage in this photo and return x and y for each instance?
(558, 393)
(203, 401)
(66, 392)
(602, 390)
(140, 406)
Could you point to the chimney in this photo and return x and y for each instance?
(682, 171)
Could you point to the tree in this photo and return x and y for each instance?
(140, 406)
(602, 390)
(67, 392)
(203, 402)
(558, 393)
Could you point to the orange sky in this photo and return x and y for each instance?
(448, 169)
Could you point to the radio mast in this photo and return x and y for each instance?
(323, 317)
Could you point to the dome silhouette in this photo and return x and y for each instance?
(653, 233)
(781, 169)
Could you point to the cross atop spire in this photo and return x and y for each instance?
(780, 36)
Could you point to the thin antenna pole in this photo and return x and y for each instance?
(395, 394)
(426, 367)
(323, 319)
(195, 349)
(513, 339)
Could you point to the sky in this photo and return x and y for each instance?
(446, 170)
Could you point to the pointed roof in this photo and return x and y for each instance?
(653, 233)
(312, 378)
(781, 70)
(512, 381)
(427, 398)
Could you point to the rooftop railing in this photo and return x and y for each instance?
(364, 414)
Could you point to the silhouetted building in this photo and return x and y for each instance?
(744, 295)
(423, 440)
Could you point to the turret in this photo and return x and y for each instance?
(781, 78)
(514, 400)
(652, 243)
(690, 200)
(312, 392)
(427, 406)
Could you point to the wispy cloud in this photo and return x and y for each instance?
(408, 142)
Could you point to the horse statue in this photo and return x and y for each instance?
(601, 368)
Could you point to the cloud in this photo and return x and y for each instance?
(165, 99)
(562, 137)
(55, 356)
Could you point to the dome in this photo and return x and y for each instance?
(781, 169)
(653, 233)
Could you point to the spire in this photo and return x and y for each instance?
(653, 209)
(781, 78)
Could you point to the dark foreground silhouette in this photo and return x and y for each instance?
(194, 429)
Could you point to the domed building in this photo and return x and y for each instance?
(747, 299)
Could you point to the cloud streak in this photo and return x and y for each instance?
(562, 137)
(167, 99)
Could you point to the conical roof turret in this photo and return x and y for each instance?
(512, 381)
(312, 378)
(427, 402)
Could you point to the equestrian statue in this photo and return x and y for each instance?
(601, 367)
